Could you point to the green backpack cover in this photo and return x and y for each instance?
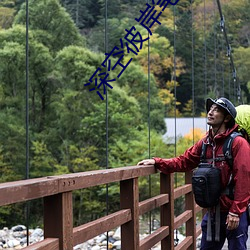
(243, 119)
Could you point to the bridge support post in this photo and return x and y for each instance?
(167, 210)
(58, 219)
(190, 205)
(129, 198)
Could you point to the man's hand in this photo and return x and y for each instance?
(232, 221)
(146, 162)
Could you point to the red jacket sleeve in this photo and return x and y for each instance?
(183, 163)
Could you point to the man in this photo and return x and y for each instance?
(221, 115)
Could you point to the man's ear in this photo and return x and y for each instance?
(228, 118)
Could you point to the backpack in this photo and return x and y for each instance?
(243, 120)
(206, 185)
(206, 179)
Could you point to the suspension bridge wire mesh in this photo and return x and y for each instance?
(27, 204)
(236, 82)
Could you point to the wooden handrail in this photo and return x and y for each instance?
(56, 191)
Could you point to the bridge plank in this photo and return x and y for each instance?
(99, 177)
(185, 189)
(154, 238)
(46, 244)
(90, 230)
(182, 218)
(24, 190)
(152, 203)
(185, 244)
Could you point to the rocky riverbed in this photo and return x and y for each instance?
(16, 238)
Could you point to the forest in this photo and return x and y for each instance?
(70, 128)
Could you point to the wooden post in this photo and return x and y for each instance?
(190, 205)
(58, 219)
(167, 210)
(129, 197)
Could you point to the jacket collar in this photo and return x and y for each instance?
(221, 136)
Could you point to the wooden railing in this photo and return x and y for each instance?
(59, 232)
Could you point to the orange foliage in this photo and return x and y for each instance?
(195, 134)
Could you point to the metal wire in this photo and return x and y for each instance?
(205, 51)
(229, 54)
(27, 207)
(215, 51)
(193, 93)
(149, 134)
(107, 112)
(175, 108)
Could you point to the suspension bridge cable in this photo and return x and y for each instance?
(27, 207)
(192, 76)
(175, 108)
(149, 129)
(215, 52)
(205, 51)
(106, 110)
(222, 68)
(229, 53)
(174, 78)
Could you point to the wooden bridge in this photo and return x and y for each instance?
(56, 192)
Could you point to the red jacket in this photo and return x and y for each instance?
(241, 167)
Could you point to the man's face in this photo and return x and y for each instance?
(215, 116)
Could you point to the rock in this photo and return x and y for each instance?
(91, 242)
(81, 246)
(100, 238)
(18, 228)
(117, 245)
(111, 240)
(13, 243)
(111, 233)
(3, 233)
(117, 234)
(103, 243)
(18, 247)
(23, 240)
(38, 232)
(95, 248)
(16, 238)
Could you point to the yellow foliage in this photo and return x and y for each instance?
(195, 134)
(166, 18)
(203, 114)
(6, 17)
(166, 96)
(172, 84)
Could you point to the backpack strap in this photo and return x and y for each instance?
(227, 151)
(227, 148)
(203, 152)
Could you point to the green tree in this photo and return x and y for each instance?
(242, 64)
(84, 13)
(6, 17)
(53, 25)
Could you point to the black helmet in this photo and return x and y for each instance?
(223, 103)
